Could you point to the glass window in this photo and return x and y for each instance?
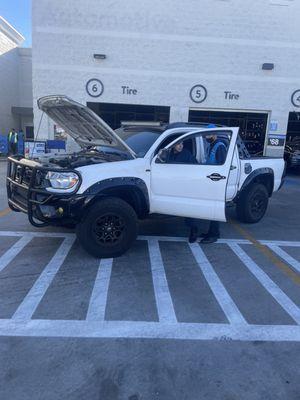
(139, 141)
(206, 148)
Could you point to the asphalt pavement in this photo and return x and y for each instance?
(167, 320)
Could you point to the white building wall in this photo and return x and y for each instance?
(15, 78)
(163, 49)
(8, 87)
(25, 77)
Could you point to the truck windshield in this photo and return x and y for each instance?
(139, 141)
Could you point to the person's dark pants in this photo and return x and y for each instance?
(15, 148)
(12, 149)
(213, 230)
(191, 223)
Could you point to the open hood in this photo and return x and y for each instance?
(81, 123)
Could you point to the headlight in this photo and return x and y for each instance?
(62, 180)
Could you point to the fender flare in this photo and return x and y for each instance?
(111, 186)
(254, 175)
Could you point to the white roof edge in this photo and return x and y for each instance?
(11, 32)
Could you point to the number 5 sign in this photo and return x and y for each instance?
(94, 87)
(296, 98)
(198, 93)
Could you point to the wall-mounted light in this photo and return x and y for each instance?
(100, 56)
(267, 66)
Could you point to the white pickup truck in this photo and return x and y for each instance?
(121, 176)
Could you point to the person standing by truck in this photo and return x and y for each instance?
(216, 155)
(21, 137)
(12, 141)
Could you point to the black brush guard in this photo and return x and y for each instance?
(25, 191)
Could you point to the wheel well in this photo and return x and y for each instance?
(264, 178)
(132, 195)
(267, 180)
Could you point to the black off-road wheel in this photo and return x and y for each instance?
(108, 229)
(252, 204)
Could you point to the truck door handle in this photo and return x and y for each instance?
(216, 177)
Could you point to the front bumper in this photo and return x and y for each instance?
(25, 193)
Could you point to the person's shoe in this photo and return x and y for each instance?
(193, 235)
(209, 239)
(203, 235)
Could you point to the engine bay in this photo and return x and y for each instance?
(80, 159)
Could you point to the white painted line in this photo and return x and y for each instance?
(185, 240)
(286, 303)
(163, 238)
(38, 290)
(142, 237)
(149, 330)
(38, 234)
(280, 243)
(226, 241)
(164, 303)
(285, 256)
(97, 306)
(14, 250)
(227, 304)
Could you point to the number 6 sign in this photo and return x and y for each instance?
(94, 87)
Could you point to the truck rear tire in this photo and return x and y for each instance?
(252, 204)
(108, 229)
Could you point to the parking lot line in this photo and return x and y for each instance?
(164, 303)
(262, 247)
(11, 253)
(97, 305)
(38, 234)
(168, 327)
(248, 240)
(285, 256)
(279, 243)
(38, 290)
(148, 330)
(286, 303)
(185, 240)
(227, 304)
(4, 212)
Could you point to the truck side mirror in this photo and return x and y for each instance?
(162, 156)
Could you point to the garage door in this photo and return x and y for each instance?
(253, 125)
(293, 130)
(113, 113)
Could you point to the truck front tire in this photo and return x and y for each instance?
(108, 229)
(252, 204)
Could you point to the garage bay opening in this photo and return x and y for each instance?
(253, 125)
(114, 114)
